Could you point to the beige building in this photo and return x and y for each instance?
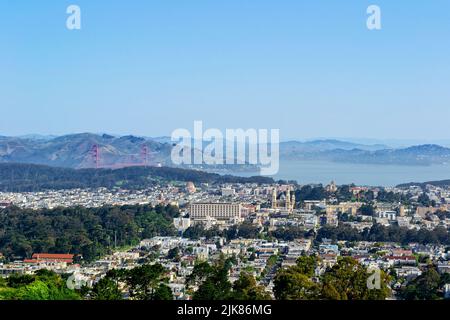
(219, 211)
(190, 187)
(422, 211)
(402, 211)
(344, 207)
(331, 187)
(289, 203)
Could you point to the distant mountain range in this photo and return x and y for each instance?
(422, 155)
(439, 183)
(87, 150)
(84, 150)
(296, 147)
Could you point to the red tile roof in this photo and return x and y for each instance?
(52, 256)
(30, 261)
(407, 258)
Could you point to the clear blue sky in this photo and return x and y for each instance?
(309, 68)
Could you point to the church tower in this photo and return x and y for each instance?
(293, 201)
(288, 198)
(274, 198)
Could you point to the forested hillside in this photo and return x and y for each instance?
(32, 178)
(89, 232)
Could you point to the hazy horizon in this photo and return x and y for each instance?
(389, 142)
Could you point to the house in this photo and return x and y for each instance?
(50, 258)
(402, 260)
(447, 291)
(401, 252)
(387, 214)
(408, 272)
(328, 259)
(4, 205)
(444, 267)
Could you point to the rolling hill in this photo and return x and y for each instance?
(87, 150)
(33, 178)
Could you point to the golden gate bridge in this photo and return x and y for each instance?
(131, 160)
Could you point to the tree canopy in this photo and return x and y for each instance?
(346, 280)
(89, 232)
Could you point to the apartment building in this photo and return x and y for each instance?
(219, 211)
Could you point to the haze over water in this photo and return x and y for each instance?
(314, 172)
(360, 174)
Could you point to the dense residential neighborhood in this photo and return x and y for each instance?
(266, 232)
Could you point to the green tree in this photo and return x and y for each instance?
(16, 281)
(307, 265)
(347, 280)
(202, 270)
(424, 200)
(173, 253)
(424, 287)
(245, 288)
(163, 292)
(212, 281)
(367, 210)
(143, 281)
(86, 232)
(291, 284)
(44, 285)
(106, 289)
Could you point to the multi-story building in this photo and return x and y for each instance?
(219, 211)
(227, 192)
(344, 207)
